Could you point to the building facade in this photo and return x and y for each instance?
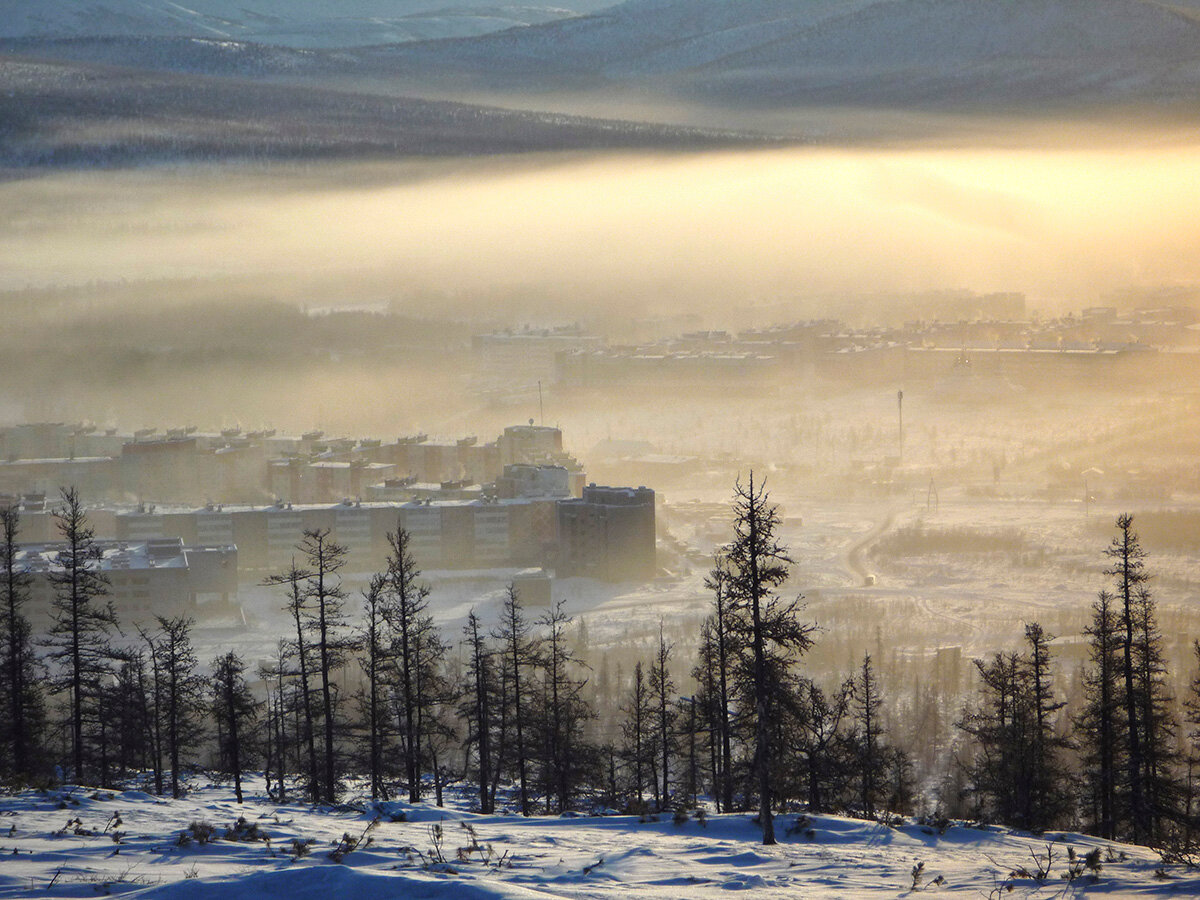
(608, 533)
(148, 578)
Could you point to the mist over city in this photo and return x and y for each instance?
(471, 450)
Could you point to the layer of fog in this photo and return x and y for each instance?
(630, 233)
(553, 239)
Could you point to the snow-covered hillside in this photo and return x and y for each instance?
(972, 49)
(639, 36)
(963, 54)
(960, 52)
(77, 842)
(291, 23)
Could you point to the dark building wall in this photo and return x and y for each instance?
(149, 525)
(533, 532)
(162, 471)
(250, 535)
(608, 534)
(93, 477)
(458, 537)
(237, 474)
(37, 440)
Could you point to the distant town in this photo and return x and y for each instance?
(184, 515)
(519, 501)
(989, 334)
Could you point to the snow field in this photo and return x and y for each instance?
(510, 857)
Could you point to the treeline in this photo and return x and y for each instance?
(366, 687)
(80, 114)
(1121, 764)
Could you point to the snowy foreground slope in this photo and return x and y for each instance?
(61, 844)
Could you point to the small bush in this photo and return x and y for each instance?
(802, 825)
(75, 826)
(199, 831)
(436, 842)
(248, 832)
(349, 842)
(935, 822)
(918, 879)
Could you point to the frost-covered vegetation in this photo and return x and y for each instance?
(73, 841)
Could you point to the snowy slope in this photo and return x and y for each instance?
(637, 36)
(292, 23)
(953, 53)
(857, 51)
(978, 48)
(585, 857)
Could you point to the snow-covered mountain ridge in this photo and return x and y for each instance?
(958, 54)
(771, 52)
(289, 23)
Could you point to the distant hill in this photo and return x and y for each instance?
(965, 55)
(636, 38)
(971, 52)
(958, 53)
(197, 55)
(55, 114)
(288, 23)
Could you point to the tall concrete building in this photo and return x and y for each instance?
(608, 533)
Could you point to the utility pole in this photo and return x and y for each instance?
(900, 410)
(1087, 493)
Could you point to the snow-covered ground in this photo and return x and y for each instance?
(79, 842)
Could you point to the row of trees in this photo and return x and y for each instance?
(369, 686)
(386, 697)
(124, 706)
(1125, 741)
